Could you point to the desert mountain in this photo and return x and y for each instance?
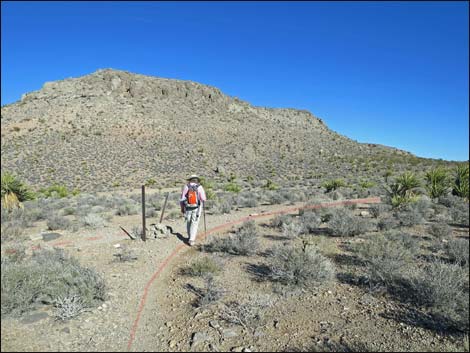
(118, 129)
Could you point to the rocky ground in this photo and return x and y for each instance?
(343, 315)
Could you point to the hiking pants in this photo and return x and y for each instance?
(192, 221)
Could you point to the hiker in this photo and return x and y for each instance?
(191, 202)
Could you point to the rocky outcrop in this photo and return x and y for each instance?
(117, 129)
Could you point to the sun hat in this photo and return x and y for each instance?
(194, 176)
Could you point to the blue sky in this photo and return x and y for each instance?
(394, 73)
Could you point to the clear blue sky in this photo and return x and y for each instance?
(394, 73)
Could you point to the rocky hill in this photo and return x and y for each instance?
(119, 129)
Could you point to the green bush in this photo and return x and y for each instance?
(333, 184)
(270, 185)
(232, 187)
(45, 277)
(202, 267)
(58, 191)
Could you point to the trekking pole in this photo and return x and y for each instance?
(204, 210)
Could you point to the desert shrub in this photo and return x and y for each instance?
(56, 221)
(45, 277)
(457, 250)
(11, 231)
(292, 266)
(443, 288)
(423, 205)
(292, 230)
(68, 211)
(14, 191)
(331, 185)
(379, 209)
(345, 223)
(18, 216)
(449, 200)
(173, 214)
(243, 242)
(97, 209)
(223, 206)
(247, 199)
(310, 221)
(93, 220)
(249, 314)
(58, 191)
(460, 213)
(274, 197)
(270, 185)
(388, 256)
(207, 295)
(150, 212)
(408, 216)
(336, 195)
(67, 308)
(437, 182)
(125, 254)
(440, 230)
(293, 195)
(202, 267)
(15, 252)
(232, 187)
(126, 209)
(280, 220)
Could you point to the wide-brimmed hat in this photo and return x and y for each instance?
(194, 176)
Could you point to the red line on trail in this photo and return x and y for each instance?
(220, 227)
(65, 242)
(94, 238)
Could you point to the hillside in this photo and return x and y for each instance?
(118, 129)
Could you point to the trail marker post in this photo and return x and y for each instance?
(164, 206)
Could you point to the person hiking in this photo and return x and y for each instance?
(192, 201)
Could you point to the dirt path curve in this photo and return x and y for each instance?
(131, 316)
(146, 322)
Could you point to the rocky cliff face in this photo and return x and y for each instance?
(114, 128)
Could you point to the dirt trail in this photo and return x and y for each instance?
(129, 319)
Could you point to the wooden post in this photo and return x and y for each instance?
(143, 213)
(164, 206)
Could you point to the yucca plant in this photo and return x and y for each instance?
(461, 182)
(14, 191)
(333, 184)
(437, 182)
(403, 189)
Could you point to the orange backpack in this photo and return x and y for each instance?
(192, 199)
